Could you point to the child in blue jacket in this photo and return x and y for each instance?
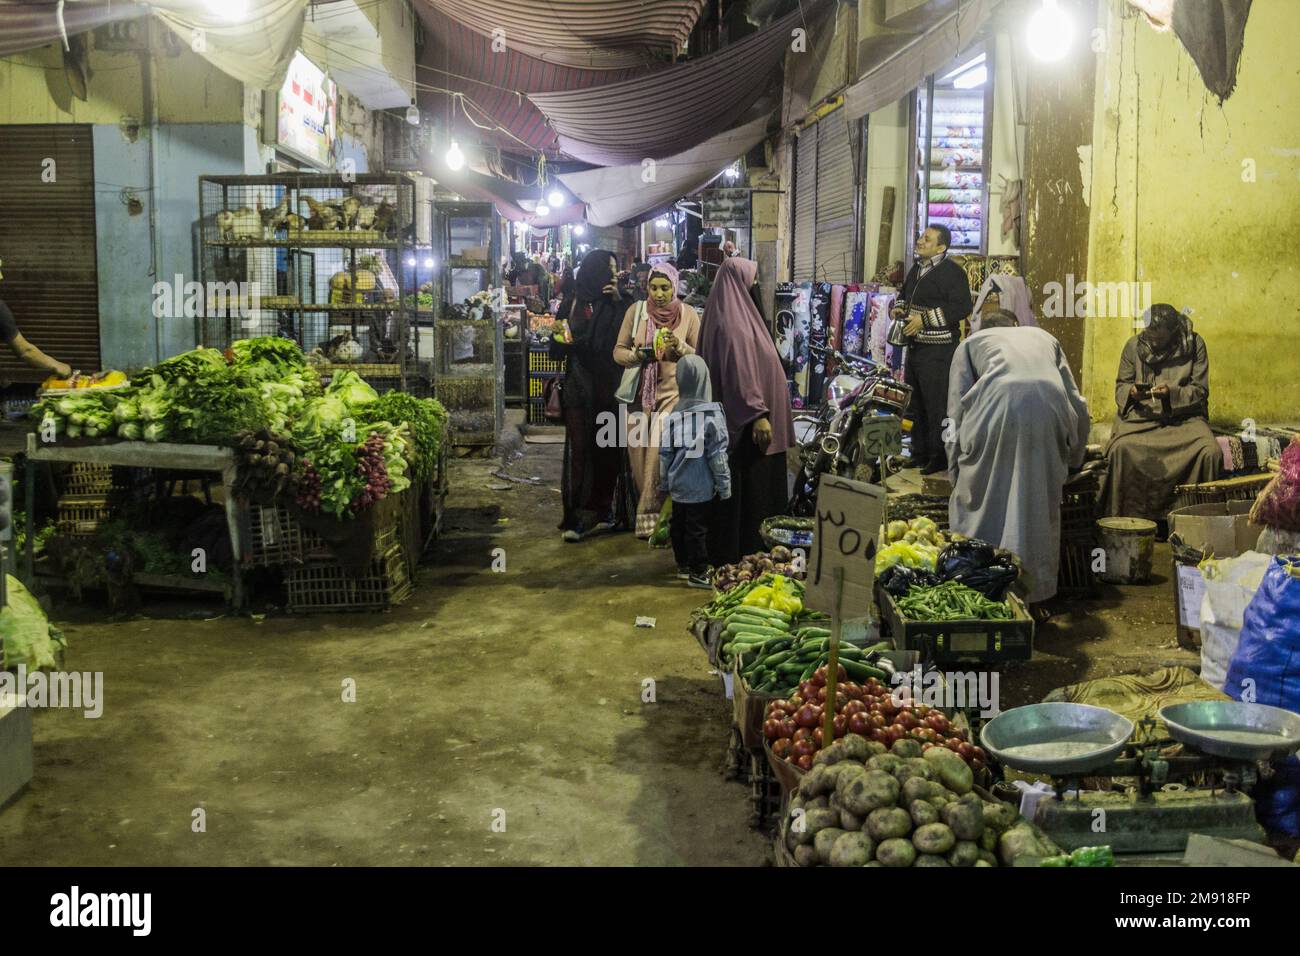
(693, 467)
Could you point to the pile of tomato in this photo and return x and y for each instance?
(793, 726)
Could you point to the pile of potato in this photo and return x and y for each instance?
(863, 805)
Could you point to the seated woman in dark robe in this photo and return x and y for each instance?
(1161, 437)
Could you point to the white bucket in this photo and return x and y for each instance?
(1128, 543)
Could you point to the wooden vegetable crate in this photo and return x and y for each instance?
(329, 586)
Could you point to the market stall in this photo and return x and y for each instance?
(329, 483)
(902, 759)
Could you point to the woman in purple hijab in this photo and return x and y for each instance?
(750, 384)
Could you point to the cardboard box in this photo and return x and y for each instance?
(1223, 528)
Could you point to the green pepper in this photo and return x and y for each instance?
(1093, 856)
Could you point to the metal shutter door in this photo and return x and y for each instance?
(836, 200)
(805, 205)
(47, 242)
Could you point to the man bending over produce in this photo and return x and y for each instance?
(1017, 424)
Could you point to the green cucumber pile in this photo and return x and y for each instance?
(778, 654)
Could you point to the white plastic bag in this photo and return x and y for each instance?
(1229, 586)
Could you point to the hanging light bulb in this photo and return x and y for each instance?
(555, 198)
(542, 208)
(455, 158)
(1050, 32)
(429, 263)
(413, 113)
(579, 230)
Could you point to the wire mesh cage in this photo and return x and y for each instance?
(320, 259)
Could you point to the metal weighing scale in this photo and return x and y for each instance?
(1228, 747)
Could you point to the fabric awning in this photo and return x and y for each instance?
(619, 193)
(255, 49)
(35, 23)
(664, 112)
(591, 34)
(905, 61)
(462, 60)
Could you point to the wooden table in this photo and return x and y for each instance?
(139, 454)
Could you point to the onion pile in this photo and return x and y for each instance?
(780, 560)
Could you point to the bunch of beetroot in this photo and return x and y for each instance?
(374, 472)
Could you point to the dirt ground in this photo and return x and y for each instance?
(491, 698)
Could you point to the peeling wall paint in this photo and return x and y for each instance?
(1202, 202)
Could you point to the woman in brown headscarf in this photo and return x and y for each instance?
(655, 334)
(750, 383)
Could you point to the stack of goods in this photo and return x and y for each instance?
(865, 805)
(818, 338)
(856, 322)
(955, 149)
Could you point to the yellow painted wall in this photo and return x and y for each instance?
(33, 88)
(1171, 203)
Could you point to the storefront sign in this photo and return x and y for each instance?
(848, 525)
(726, 208)
(307, 113)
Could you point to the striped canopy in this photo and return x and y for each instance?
(587, 34)
(669, 110)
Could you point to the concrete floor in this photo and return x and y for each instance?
(518, 692)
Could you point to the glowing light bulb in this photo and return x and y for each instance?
(455, 158)
(555, 199)
(1050, 32)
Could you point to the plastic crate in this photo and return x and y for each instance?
(328, 586)
(953, 641)
(80, 516)
(1244, 488)
(1079, 507)
(765, 794)
(537, 383)
(539, 360)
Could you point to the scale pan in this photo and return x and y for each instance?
(1234, 729)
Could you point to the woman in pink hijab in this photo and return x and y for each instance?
(750, 384)
(655, 334)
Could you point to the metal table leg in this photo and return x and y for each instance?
(236, 544)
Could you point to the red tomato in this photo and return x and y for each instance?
(781, 748)
(959, 734)
(926, 746)
(877, 721)
(952, 743)
(854, 707)
(804, 762)
(840, 702)
(893, 734)
(880, 735)
(807, 689)
(860, 723)
(819, 677)
(820, 696)
(966, 751)
(841, 725)
(788, 727)
(776, 713)
(803, 733)
(921, 710)
(802, 747)
(793, 704)
(771, 728)
(807, 715)
(874, 683)
(978, 753)
(780, 705)
(907, 720)
(853, 691)
(977, 765)
(937, 721)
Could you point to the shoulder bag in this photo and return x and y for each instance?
(629, 389)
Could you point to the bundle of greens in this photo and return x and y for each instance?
(26, 635)
(427, 420)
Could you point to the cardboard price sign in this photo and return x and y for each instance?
(848, 526)
(881, 436)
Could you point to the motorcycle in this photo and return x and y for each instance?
(833, 442)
